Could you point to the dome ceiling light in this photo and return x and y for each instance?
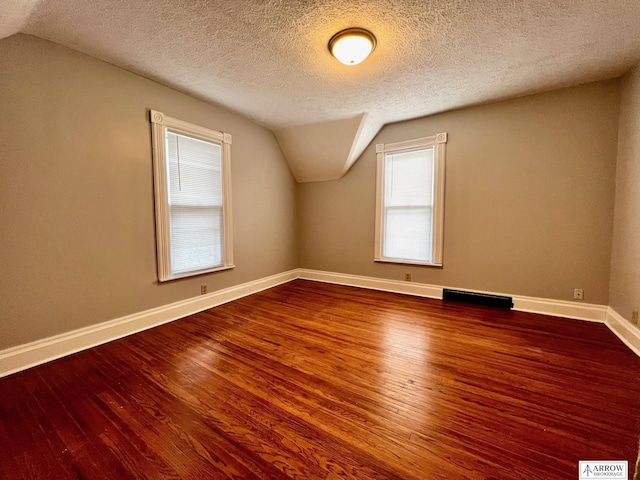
(352, 46)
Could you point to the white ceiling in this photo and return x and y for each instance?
(269, 59)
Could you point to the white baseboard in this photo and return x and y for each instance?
(372, 283)
(556, 308)
(624, 330)
(589, 312)
(19, 358)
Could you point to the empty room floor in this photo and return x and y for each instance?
(316, 381)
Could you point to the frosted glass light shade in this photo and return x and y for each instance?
(352, 46)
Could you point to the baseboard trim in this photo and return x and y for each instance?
(372, 283)
(588, 312)
(626, 332)
(545, 306)
(29, 355)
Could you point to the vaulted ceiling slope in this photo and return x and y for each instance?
(268, 59)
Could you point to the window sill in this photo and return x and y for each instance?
(406, 261)
(196, 273)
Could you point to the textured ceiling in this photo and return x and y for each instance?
(269, 59)
(14, 14)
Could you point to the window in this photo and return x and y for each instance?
(410, 201)
(193, 198)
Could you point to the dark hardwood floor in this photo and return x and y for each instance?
(317, 381)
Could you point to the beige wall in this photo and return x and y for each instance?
(529, 198)
(625, 259)
(77, 242)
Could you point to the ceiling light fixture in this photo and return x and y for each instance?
(352, 46)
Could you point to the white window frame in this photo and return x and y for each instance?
(160, 125)
(438, 142)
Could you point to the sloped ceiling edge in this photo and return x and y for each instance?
(324, 151)
(14, 15)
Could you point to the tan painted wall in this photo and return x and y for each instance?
(529, 198)
(77, 242)
(625, 259)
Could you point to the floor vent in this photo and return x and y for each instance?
(477, 298)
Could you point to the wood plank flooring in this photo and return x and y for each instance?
(316, 381)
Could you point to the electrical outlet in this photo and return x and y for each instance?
(203, 289)
(634, 318)
(578, 294)
(407, 277)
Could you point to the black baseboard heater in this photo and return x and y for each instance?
(478, 298)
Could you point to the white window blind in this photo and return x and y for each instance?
(195, 203)
(192, 183)
(408, 205)
(410, 201)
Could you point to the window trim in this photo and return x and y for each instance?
(160, 125)
(438, 142)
